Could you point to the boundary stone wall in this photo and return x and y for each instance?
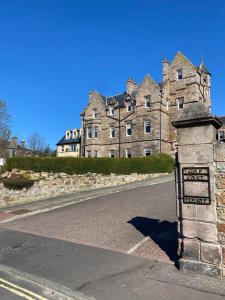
(48, 185)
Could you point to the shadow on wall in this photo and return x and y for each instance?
(163, 233)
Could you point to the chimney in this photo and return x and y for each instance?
(130, 86)
(166, 66)
(14, 141)
(22, 143)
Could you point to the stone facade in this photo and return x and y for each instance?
(138, 122)
(49, 185)
(201, 222)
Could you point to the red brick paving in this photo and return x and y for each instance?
(109, 221)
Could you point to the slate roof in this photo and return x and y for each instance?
(65, 141)
(222, 119)
(119, 98)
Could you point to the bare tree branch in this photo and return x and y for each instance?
(5, 129)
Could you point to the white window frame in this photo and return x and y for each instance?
(89, 133)
(128, 152)
(68, 135)
(128, 127)
(62, 148)
(96, 132)
(112, 153)
(147, 101)
(95, 153)
(145, 126)
(88, 153)
(178, 103)
(180, 74)
(128, 107)
(219, 136)
(147, 150)
(111, 130)
(94, 113)
(111, 111)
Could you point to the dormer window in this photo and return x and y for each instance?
(179, 74)
(68, 135)
(147, 101)
(111, 111)
(75, 133)
(180, 103)
(129, 106)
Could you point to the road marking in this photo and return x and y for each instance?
(24, 293)
(132, 249)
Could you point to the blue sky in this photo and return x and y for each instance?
(52, 52)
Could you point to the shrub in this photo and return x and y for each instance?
(17, 182)
(157, 163)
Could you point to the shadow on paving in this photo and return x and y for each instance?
(163, 233)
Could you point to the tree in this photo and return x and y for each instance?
(37, 144)
(5, 129)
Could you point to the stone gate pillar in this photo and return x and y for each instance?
(199, 247)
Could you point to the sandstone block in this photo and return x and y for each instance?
(204, 231)
(210, 253)
(196, 154)
(199, 268)
(191, 249)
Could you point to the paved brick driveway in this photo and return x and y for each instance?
(139, 221)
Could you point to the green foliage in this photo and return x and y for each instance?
(157, 163)
(17, 182)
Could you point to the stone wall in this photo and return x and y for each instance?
(49, 185)
(220, 195)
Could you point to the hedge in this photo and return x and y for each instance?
(157, 163)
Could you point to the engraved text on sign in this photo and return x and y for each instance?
(196, 186)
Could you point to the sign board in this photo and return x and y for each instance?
(196, 186)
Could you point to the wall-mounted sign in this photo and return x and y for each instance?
(196, 186)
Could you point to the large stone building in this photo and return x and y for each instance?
(137, 122)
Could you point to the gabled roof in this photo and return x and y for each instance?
(65, 141)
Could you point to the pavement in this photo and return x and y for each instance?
(110, 244)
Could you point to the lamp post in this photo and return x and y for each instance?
(112, 103)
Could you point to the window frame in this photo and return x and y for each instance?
(96, 132)
(145, 126)
(128, 153)
(223, 135)
(111, 111)
(94, 113)
(110, 153)
(128, 107)
(180, 74)
(148, 101)
(178, 103)
(112, 129)
(146, 150)
(89, 133)
(129, 124)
